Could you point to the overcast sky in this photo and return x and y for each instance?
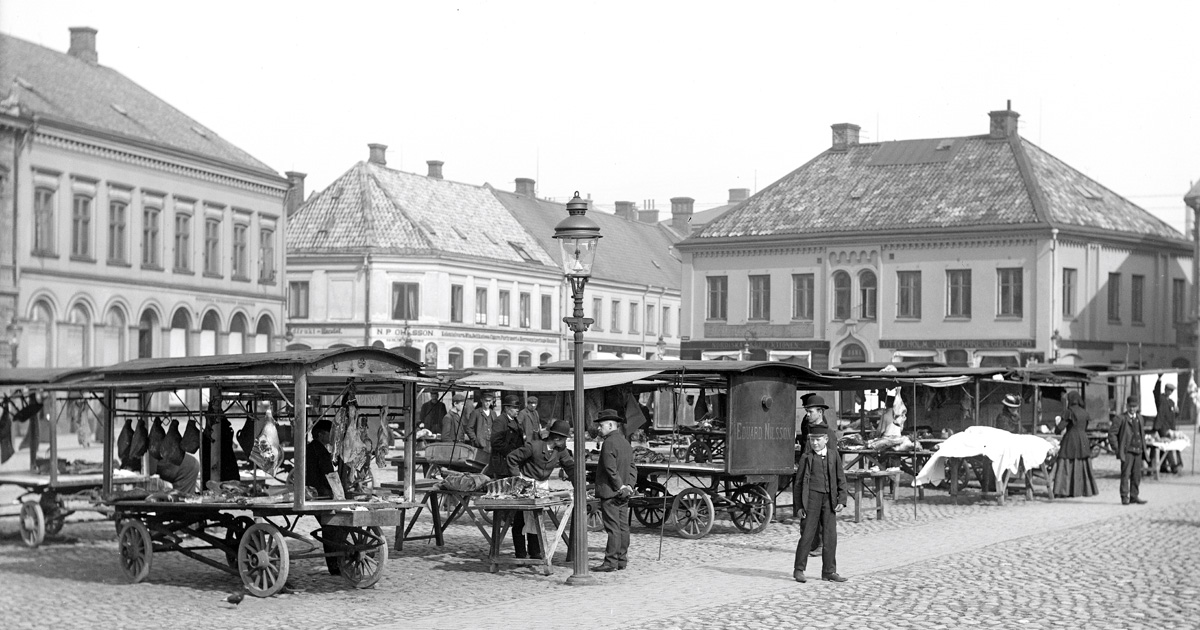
(652, 100)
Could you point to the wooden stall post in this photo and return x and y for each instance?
(300, 447)
(110, 403)
(53, 416)
(216, 436)
(34, 436)
(410, 442)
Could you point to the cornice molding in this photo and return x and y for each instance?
(111, 153)
(743, 252)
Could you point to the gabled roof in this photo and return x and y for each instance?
(372, 208)
(630, 251)
(972, 182)
(57, 87)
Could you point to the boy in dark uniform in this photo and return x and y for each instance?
(822, 490)
(1127, 438)
(537, 459)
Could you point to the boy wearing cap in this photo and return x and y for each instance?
(531, 421)
(480, 421)
(537, 459)
(1127, 439)
(1164, 423)
(822, 488)
(615, 478)
(454, 426)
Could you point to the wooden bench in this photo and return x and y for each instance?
(859, 479)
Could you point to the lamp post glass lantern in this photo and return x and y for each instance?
(578, 236)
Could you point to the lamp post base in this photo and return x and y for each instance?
(581, 580)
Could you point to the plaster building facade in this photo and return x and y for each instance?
(973, 251)
(633, 296)
(131, 229)
(435, 268)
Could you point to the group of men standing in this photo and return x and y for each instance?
(520, 442)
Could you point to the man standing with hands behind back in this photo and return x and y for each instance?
(822, 484)
(615, 477)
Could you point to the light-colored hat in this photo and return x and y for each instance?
(1011, 400)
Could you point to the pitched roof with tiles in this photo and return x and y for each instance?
(630, 251)
(973, 182)
(372, 208)
(60, 87)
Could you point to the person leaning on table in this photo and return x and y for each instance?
(1127, 438)
(536, 460)
(1164, 423)
(823, 490)
(615, 478)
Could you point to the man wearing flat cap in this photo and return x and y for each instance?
(822, 488)
(1126, 436)
(479, 423)
(615, 478)
(531, 421)
(1164, 423)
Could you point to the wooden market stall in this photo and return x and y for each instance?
(258, 518)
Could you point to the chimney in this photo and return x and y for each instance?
(681, 214)
(626, 210)
(526, 187)
(648, 213)
(844, 135)
(295, 195)
(435, 168)
(738, 194)
(83, 44)
(378, 154)
(1004, 123)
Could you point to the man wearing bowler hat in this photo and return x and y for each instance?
(537, 459)
(822, 486)
(506, 438)
(615, 478)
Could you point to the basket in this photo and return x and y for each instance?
(457, 456)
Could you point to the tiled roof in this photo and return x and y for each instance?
(630, 251)
(965, 182)
(372, 208)
(59, 87)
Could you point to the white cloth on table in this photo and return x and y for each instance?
(1007, 451)
(1177, 442)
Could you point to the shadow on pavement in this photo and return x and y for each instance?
(771, 574)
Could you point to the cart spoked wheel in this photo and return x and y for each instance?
(680, 449)
(233, 538)
(693, 511)
(362, 566)
(263, 560)
(652, 514)
(33, 523)
(700, 451)
(595, 521)
(752, 508)
(135, 549)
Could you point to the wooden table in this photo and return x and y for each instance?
(859, 479)
(1023, 473)
(533, 511)
(1156, 448)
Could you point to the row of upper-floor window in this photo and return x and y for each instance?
(113, 234)
(958, 295)
(625, 316)
(406, 305)
(504, 358)
(1115, 291)
(909, 285)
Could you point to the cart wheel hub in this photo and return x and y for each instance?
(259, 559)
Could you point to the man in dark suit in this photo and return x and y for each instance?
(1164, 423)
(530, 419)
(454, 426)
(479, 424)
(822, 488)
(615, 478)
(1127, 438)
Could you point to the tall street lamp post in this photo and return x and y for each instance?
(578, 236)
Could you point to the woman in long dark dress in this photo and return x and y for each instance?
(1073, 466)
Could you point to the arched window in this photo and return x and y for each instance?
(841, 296)
(75, 338)
(299, 346)
(38, 338)
(263, 334)
(148, 331)
(480, 358)
(113, 338)
(545, 358)
(853, 353)
(181, 324)
(525, 359)
(869, 294)
(456, 358)
(208, 334)
(504, 358)
(237, 334)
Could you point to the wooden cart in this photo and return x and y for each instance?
(253, 533)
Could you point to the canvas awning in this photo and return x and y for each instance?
(550, 381)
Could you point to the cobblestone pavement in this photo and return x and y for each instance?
(1028, 564)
